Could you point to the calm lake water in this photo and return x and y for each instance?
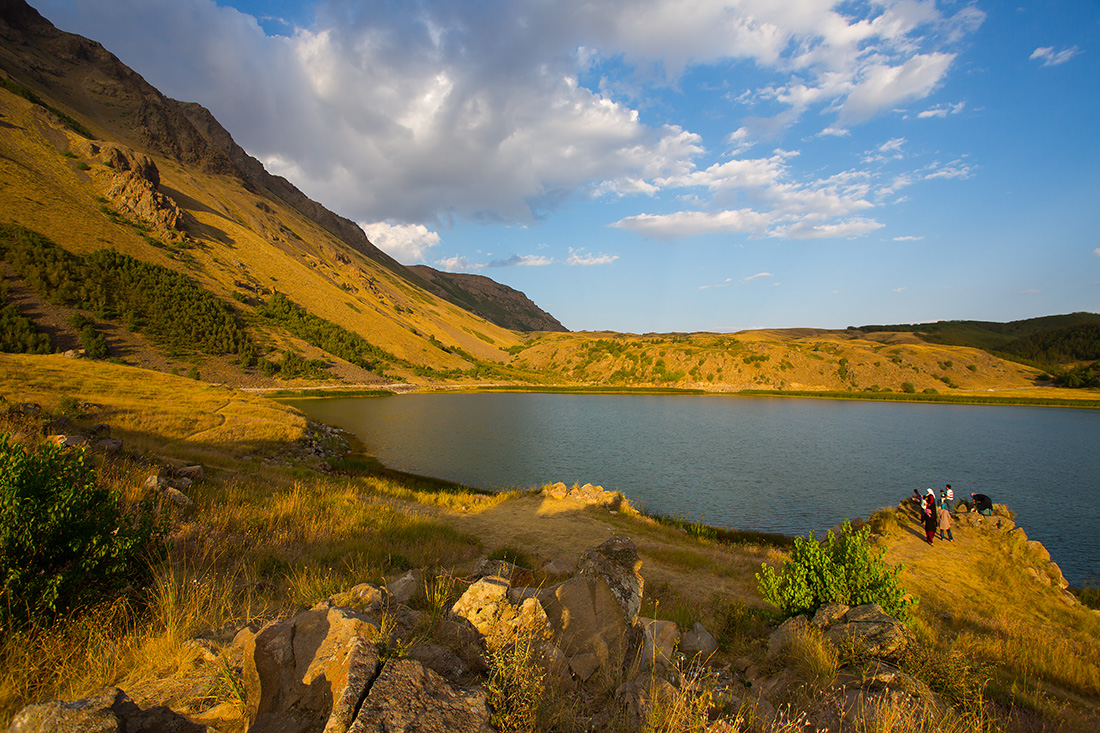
(777, 465)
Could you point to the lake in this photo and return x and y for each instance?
(775, 465)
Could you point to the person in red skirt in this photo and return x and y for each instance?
(931, 519)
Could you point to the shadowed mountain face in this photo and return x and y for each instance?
(85, 77)
(489, 299)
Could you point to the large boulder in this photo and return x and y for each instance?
(360, 670)
(616, 562)
(1038, 550)
(405, 588)
(829, 614)
(594, 612)
(698, 643)
(408, 697)
(879, 693)
(298, 671)
(369, 599)
(639, 696)
(195, 473)
(1055, 574)
(786, 633)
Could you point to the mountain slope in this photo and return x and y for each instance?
(489, 299)
(161, 181)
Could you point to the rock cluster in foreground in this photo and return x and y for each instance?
(393, 659)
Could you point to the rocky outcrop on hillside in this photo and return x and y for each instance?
(496, 303)
(589, 495)
(1030, 556)
(133, 186)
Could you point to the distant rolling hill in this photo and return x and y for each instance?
(989, 335)
(1067, 345)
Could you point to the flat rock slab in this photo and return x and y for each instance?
(408, 697)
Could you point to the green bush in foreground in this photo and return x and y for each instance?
(64, 540)
(843, 569)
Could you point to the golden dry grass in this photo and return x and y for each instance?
(163, 414)
(259, 542)
(979, 602)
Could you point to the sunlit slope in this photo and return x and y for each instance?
(231, 240)
(793, 359)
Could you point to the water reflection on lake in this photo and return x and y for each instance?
(778, 465)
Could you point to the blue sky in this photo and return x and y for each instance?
(648, 165)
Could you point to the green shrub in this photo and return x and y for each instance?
(908, 388)
(18, 334)
(844, 569)
(93, 342)
(64, 540)
(166, 305)
(316, 331)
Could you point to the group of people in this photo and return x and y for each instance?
(936, 515)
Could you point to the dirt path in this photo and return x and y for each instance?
(677, 568)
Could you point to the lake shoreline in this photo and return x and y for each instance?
(758, 465)
(1089, 401)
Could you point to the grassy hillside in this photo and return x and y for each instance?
(794, 359)
(237, 245)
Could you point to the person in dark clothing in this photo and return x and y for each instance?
(931, 519)
(981, 504)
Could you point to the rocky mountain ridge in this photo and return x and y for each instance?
(489, 299)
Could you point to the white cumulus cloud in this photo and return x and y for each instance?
(856, 227)
(457, 263)
(682, 224)
(883, 86)
(942, 110)
(424, 114)
(406, 243)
